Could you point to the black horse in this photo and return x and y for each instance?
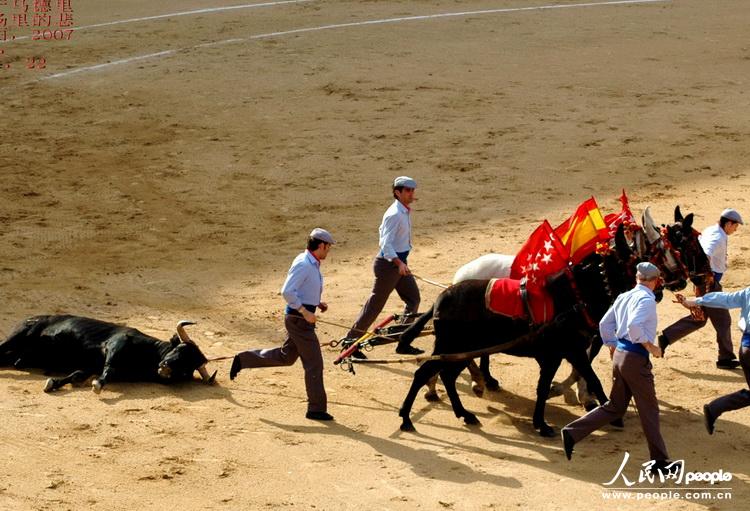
(675, 249)
(463, 324)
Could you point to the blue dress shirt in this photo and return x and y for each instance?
(395, 232)
(632, 317)
(304, 283)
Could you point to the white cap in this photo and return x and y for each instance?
(731, 214)
(647, 271)
(322, 235)
(404, 181)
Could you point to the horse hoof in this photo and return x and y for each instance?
(478, 390)
(547, 431)
(590, 405)
(471, 419)
(493, 385)
(49, 385)
(556, 390)
(96, 386)
(432, 396)
(407, 427)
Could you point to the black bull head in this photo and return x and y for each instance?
(184, 357)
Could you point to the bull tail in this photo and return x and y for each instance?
(416, 328)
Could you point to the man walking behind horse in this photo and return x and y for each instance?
(629, 330)
(714, 242)
(390, 266)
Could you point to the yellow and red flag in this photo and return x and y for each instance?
(580, 233)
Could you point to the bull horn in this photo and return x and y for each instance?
(649, 226)
(204, 375)
(182, 334)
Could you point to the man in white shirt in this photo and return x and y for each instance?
(629, 330)
(714, 242)
(390, 266)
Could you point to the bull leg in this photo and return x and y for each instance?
(421, 377)
(547, 368)
(431, 394)
(75, 377)
(477, 378)
(490, 382)
(98, 384)
(449, 375)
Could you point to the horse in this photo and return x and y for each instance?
(675, 249)
(463, 323)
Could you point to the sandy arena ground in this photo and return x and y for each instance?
(181, 186)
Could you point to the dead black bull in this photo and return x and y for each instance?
(85, 347)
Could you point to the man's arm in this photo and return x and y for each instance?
(388, 236)
(608, 328)
(714, 249)
(294, 279)
(390, 228)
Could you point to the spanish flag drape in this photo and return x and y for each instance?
(580, 233)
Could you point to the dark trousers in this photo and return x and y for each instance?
(721, 321)
(387, 278)
(735, 400)
(632, 377)
(301, 342)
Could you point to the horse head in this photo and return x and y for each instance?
(675, 250)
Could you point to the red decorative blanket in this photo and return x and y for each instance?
(503, 296)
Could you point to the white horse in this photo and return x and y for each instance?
(489, 266)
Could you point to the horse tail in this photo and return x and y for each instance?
(415, 328)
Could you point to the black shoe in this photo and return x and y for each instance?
(235, 367)
(568, 443)
(406, 349)
(663, 343)
(618, 423)
(708, 419)
(728, 364)
(319, 416)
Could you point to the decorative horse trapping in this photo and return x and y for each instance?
(515, 299)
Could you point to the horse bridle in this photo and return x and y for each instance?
(664, 254)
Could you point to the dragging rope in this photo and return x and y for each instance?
(449, 357)
(428, 281)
